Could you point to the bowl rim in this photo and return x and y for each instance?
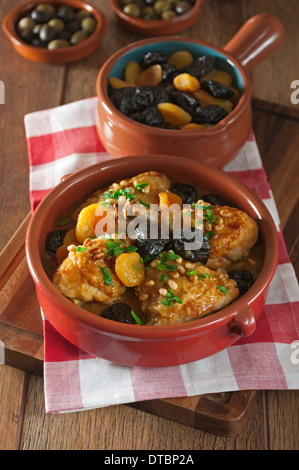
(148, 25)
(72, 311)
(221, 126)
(9, 23)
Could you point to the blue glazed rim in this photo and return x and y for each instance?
(115, 66)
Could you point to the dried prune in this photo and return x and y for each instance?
(192, 245)
(120, 312)
(185, 100)
(214, 199)
(200, 66)
(149, 248)
(168, 72)
(132, 100)
(54, 240)
(211, 114)
(187, 192)
(243, 279)
(152, 58)
(150, 116)
(217, 89)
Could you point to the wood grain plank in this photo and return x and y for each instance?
(283, 417)
(272, 78)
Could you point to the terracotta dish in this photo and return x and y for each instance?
(121, 136)
(157, 27)
(150, 346)
(59, 56)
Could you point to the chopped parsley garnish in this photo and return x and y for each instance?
(64, 222)
(223, 289)
(200, 276)
(209, 214)
(171, 298)
(136, 318)
(144, 203)
(79, 249)
(168, 267)
(115, 249)
(108, 279)
(209, 234)
(140, 186)
(163, 277)
(119, 192)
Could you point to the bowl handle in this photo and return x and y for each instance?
(243, 323)
(257, 39)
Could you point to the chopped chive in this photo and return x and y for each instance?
(79, 249)
(144, 203)
(222, 289)
(141, 186)
(136, 318)
(108, 279)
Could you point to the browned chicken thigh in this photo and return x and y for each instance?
(178, 291)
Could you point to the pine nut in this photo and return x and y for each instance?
(163, 292)
(173, 285)
(143, 297)
(150, 283)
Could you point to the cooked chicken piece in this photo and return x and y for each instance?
(89, 274)
(177, 291)
(234, 234)
(144, 187)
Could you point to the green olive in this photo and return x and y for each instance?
(132, 10)
(88, 25)
(81, 14)
(47, 33)
(58, 44)
(162, 5)
(168, 14)
(78, 37)
(57, 24)
(25, 24)
(182, 7)
(47, 8)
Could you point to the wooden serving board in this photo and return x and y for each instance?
(21, 332)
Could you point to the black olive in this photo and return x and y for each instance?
(120, 312)
(65, 13)
(214, 199)
(148, 248)
(243, 279)
(54, 240)
(217, 89)
(199, 243)
(187, 192)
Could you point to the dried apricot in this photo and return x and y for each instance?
(129, 269)
(132, 72)
(168, 198)
(207, 99)
(174, 115)
(70, 237)
(180, 59)
(219, 76)
(87, 221)
(118, 83)
(192, 126)
(186, 82)
(151, 76)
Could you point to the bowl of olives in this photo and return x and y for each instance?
(55, 32)
(156, 17)
(174, 95)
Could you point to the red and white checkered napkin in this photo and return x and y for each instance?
(63, 140)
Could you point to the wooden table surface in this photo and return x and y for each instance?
(273, 418)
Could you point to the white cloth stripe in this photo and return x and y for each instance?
(284, 286)
(48, 175)
(247, 159)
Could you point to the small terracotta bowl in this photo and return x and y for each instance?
(216, 145)
(157, 27)
(150, 346)
(58, 56)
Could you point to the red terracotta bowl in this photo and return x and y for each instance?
(58, 56)
(157, 27)
(150, 346)
(216, 145)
